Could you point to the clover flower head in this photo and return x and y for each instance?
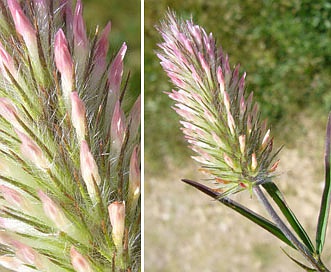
(220, 122)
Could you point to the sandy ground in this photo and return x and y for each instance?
(187, 231)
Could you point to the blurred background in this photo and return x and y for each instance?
(125, 19)
(285, 48)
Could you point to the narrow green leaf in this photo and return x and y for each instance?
(249, 214)
(325, 203)
(279, 199)
(308, 269)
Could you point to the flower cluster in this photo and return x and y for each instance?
(69, 153)
(221, 124)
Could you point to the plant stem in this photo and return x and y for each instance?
(287, 232)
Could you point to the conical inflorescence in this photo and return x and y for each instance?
(220, 122)
(69, 150)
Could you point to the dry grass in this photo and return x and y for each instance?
(187, 231)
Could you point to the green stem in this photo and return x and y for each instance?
(317, 264)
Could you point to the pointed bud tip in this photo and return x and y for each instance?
(22, 24)
(254, 162)
(78, 261)
(89, 169)
(116, 211)
(63, 60)
(134, 175)
(242, 143)
(78, 114)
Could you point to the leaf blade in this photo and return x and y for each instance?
(325, 202)
(279, 199)
(249, 214)
(308, 269)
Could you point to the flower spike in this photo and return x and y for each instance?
(211, 97)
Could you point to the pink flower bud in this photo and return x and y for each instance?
(266, 138)
(242, 143)
(185, 114)
(54, 212)
(242, 106)
(254, 162)
(274, 167)
(134, 175)
(79, 27)
(217, 140)
(196, 32)
(69, 17)
(242, 83)
(210, 44)
(89, 169)
(23, 26)
(198, 80)
(220, 79)
(14, 263)
(8, 111)
(30, 256)
(117, 126)
(180, 56)
(228, 161)
(6, 238)
(78, 115)
(200, 159)
(11, 224)
(100, 57)
(235, 74)
(81, 44)
(116, 212)
(101, 48)
(231, 123)
(32, 151)
(210, 116)
(187, 44)
(192, 130)
(13, 197)
(249, 124)
(226, 101)
(204, 64)
(63, 61)
(179, 96)
(116, 71)
(78, 261)
(25, 253)
(7, 63)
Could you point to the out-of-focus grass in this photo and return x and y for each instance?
(125, 19)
